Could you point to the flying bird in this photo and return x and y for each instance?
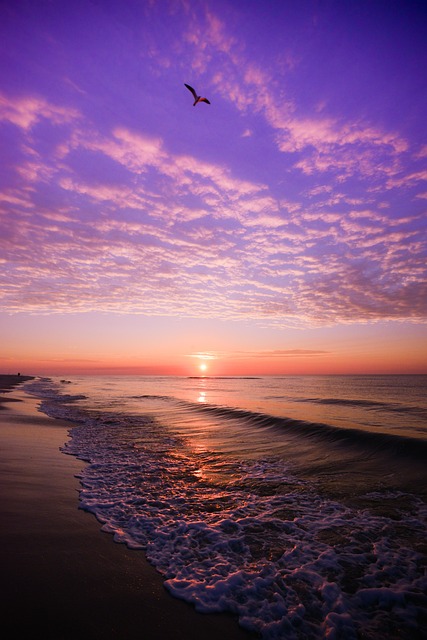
(195, 96)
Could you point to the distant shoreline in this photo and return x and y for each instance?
(9, 381)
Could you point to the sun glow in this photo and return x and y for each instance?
(203, 367)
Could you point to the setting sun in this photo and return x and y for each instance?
(203, 366)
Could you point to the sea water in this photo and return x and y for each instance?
(297, 503)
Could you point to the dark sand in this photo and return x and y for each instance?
(62, 577)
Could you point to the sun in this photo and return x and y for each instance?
(203, 367)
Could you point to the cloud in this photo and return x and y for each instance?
(262, 355)
(283, 353)
(207, 34)
(408, 180)
(323, 133)
(174, 234)
(327, 143)
(204, 355)
(213, 188)
(26, 111)
(290, 274)
(15, 198)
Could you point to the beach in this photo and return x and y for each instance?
(62, 577)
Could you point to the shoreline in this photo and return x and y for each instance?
(62, 577)
(7, 384)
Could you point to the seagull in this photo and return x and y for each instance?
(195, 96)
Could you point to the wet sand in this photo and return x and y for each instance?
(61, 576)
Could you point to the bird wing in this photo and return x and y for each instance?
(204, 100)
(192, 90)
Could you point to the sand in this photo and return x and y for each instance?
(62, 577)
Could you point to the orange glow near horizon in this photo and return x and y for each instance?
(95, 345)
(227, 365)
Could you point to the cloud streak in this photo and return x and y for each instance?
(27, 111)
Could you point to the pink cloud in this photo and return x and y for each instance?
(408, 180)
(20, 199)
(25, 112)
(329, 143)
(209, 242)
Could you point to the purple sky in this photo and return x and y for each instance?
(285, 220)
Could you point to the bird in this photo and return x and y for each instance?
(195, 96)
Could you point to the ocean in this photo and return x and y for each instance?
(297, 503)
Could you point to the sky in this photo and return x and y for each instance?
(280, 229)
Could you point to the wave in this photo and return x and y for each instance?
(368, 404)
(43, 388)
(303, 430)
(327, 434)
